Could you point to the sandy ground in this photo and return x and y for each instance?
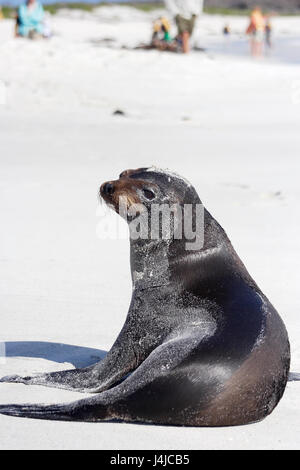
(224, 121)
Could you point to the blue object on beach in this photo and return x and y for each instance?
(30, 19)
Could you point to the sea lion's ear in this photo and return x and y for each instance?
(124, 173)
(127, 173)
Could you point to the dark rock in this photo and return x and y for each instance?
(118, 112)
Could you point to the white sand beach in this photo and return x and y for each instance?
(226, 122)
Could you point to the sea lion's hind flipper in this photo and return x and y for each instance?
(81, 380)
(61, 412)
(294, 377)
(34, 411)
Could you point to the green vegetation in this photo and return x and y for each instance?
(242, 11)
(9, 12)
(147, 6)
(53, 8)
(226, 11)
(91, 6)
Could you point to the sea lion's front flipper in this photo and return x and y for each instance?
(119, 361)
(85, 380)
(81, 380)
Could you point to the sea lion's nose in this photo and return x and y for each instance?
(108, 188)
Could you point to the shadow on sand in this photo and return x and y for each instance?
(56, 352)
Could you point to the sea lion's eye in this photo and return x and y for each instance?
(148, 194)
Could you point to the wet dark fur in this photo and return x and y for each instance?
(204, 345)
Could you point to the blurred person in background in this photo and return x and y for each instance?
(30, 19)
(161, 30)
(226, 30)
(1, 14)
(256, 31)
(161, 38)
(185, 13)
(268, 32)
(226, 35)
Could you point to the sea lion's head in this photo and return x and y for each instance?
(148, 186)
(156, 204)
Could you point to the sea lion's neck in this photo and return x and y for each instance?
(149, 262)
(165, 262)
(156, 263)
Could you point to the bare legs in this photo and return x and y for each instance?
(256, 48)
(185, 42)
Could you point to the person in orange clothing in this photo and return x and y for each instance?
(256, 31)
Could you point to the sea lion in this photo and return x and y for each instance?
(201, 344)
